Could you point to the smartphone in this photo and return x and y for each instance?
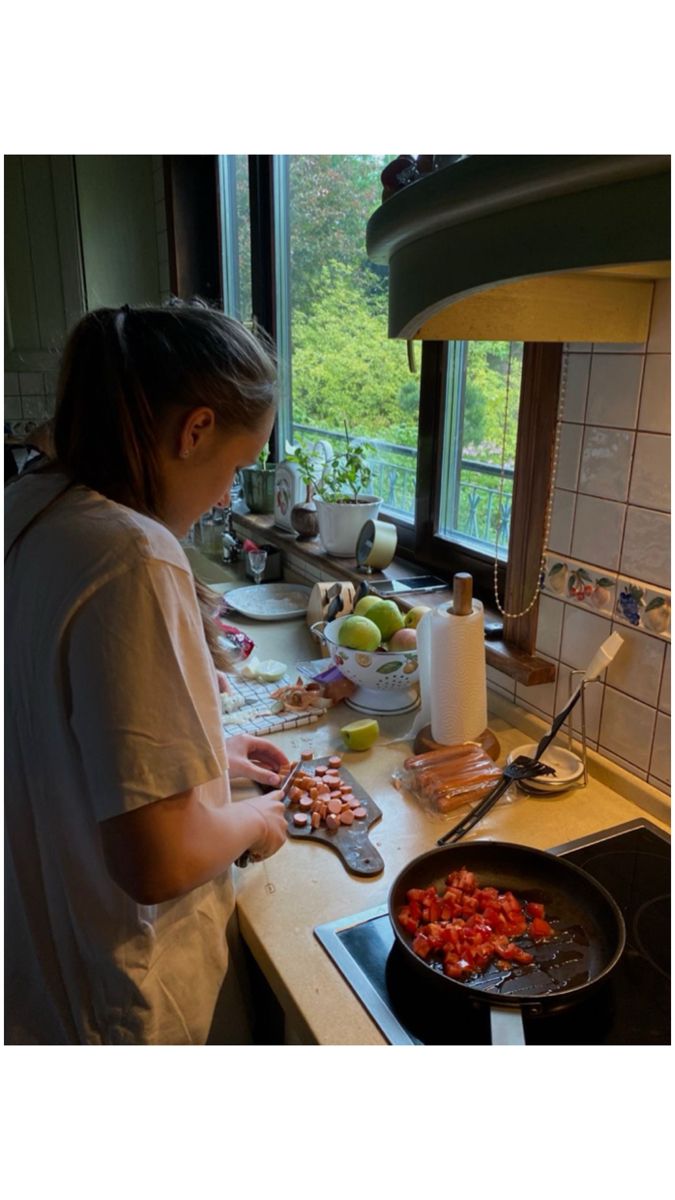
(415, 583)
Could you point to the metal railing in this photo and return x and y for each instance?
(394, 479)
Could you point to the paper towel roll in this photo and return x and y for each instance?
(453, 688)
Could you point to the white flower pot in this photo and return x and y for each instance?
(341, 523)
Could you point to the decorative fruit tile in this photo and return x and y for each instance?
(643, 606)
(580, 583)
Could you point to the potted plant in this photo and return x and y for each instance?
(258, 483)
(303, 516)
(343, 503)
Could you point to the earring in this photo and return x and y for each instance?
(185, 453)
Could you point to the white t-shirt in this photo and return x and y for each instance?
(111, 703)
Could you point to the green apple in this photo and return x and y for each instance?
(359, 633)
(361, 735)
(414, 616)
(366, 602)
(387, 616)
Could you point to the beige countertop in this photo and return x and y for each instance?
(304, 885)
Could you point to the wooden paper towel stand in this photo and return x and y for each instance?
(462, 605)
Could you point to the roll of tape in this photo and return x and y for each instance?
(376, 544)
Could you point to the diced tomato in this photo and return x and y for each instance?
(470, 926)
(539, 929)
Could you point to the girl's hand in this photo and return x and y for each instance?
(223, 685)
(274, 829)
(254, 758)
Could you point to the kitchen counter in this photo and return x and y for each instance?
(281, 900)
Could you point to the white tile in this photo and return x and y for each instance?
(605, 462)
(578, 372)
(11, 383)
(501, 683)
(13, 410)
(31, 383)
(539, 698)
(598, 526)
(37, 408)
(578, 347)
(660, 764)
(583, 634)
(664, 694)
(549, 627)
(646, 546)
(619, 347)
(627, 766)
(637, 666)
(650, 480)
(562, 520)
(614, 390)
(569, 455)
(627, 728)
(659, 330)
(655, 400)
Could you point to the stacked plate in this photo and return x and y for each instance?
(568, 769)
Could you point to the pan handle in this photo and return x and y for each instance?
(506, 1026)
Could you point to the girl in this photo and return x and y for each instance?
(120, 830)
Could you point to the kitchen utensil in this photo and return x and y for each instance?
(385, 679)
(350, 842)
(270, 601)
(520, 768)
(589, 938)
(248, 856)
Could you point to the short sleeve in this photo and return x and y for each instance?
(144, 703)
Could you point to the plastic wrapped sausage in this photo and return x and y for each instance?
(442, 780)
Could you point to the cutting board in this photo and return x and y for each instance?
(350, 842)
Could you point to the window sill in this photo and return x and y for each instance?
(526, 669)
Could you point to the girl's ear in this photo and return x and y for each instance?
(197, 425)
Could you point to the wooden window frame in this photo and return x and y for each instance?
(537, 416)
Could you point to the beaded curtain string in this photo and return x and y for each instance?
(551, 491)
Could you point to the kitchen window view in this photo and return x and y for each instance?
(337, 366)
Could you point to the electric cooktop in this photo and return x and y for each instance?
(631, 1008)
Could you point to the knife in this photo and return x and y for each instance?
(248, 857)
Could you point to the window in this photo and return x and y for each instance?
(235, 235)
(339, 366)
(437, 434)
(482, 394)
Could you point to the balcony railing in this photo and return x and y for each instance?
(394, 468)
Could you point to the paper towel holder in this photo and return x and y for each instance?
(462, 606)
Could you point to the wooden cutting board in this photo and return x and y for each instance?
(350, 842)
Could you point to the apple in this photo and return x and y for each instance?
(359, 633)
(414, 616)
(366, 602)
(403, 639)
(387, 616)
(361, 735)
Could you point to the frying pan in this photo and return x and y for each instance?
(590, 934)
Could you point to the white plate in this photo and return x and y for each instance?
(568, 768)
(270, 601)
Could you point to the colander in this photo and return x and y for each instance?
(386, 679)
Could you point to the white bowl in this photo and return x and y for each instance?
(386, 678)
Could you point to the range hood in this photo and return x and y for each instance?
(547, 248)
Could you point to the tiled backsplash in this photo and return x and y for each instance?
(608, 561)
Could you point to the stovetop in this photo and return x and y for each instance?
(631, 1008)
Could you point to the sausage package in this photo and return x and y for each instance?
(445, 779)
